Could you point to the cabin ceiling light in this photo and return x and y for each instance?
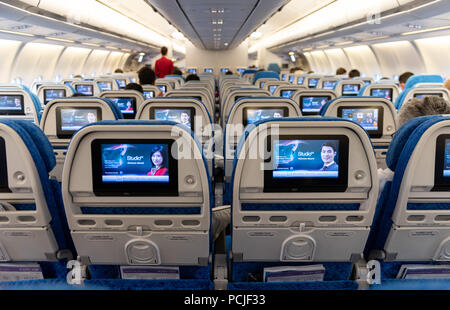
(425, 30)
(18, 33)
(256, 35)
(59, 39)
(344, 43)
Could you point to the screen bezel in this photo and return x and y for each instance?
(311, 113)
(162, 90)
(342, 92)
(131, 189)
(313, 185)
(45, 94)
(441, 183)
(245, 112)
(391, 91)
(285, 90)
(14, 112)
(105, 82)
(4, 186)
(67, 134)
(311, 79)
(191, 109)
(91, 87)
(149, 91)
(133, 103)
(334, 84)
(372, 133)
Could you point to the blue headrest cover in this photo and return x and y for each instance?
(402, 136)
(33, 136)
(416, 79)
(265, 74)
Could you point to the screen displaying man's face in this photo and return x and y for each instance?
(328, 154)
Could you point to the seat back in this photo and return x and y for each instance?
(311, 101)
(389, 91)
(187, 111)
(413, 219)
(260, 83)
(164, 85)
(19, 103)
(32, 225)
(88, 88)
(150, 91)
(300, 79)
(271, 86)
(197, 93)
(236, 95)
(63, 117)
(47, 93)
(124, 210)
(285, 208)
(349, 87)
(376, 115)
(287, 91)
(420, 91)
(247, 111)
(128, 101)
(328, 83)
(106, 84)
(312, 81)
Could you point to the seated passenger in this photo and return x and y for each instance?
(404, 78)
(341, 71)
(429, 105)
(135, 86)
(229, 72)
(354, 73)
(192, 77)
(146, 76)
(177, 71)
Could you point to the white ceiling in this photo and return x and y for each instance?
(195, 18)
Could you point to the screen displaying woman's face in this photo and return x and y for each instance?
(157, 158)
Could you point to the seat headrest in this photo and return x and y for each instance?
(33, 137)
(416, 79)
(265, 74)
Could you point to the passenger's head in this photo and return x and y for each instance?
(118, 70)
(78, 76)
(328, 152)
(135, 86)
(341, 71)
(447, 83)
(229, 72)
(192, 77)
(146, 76)
(415, 107)
(164, 51)
(310, 72)
(354, 73)
(177, 71)
(402, 79)
(157, 156)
